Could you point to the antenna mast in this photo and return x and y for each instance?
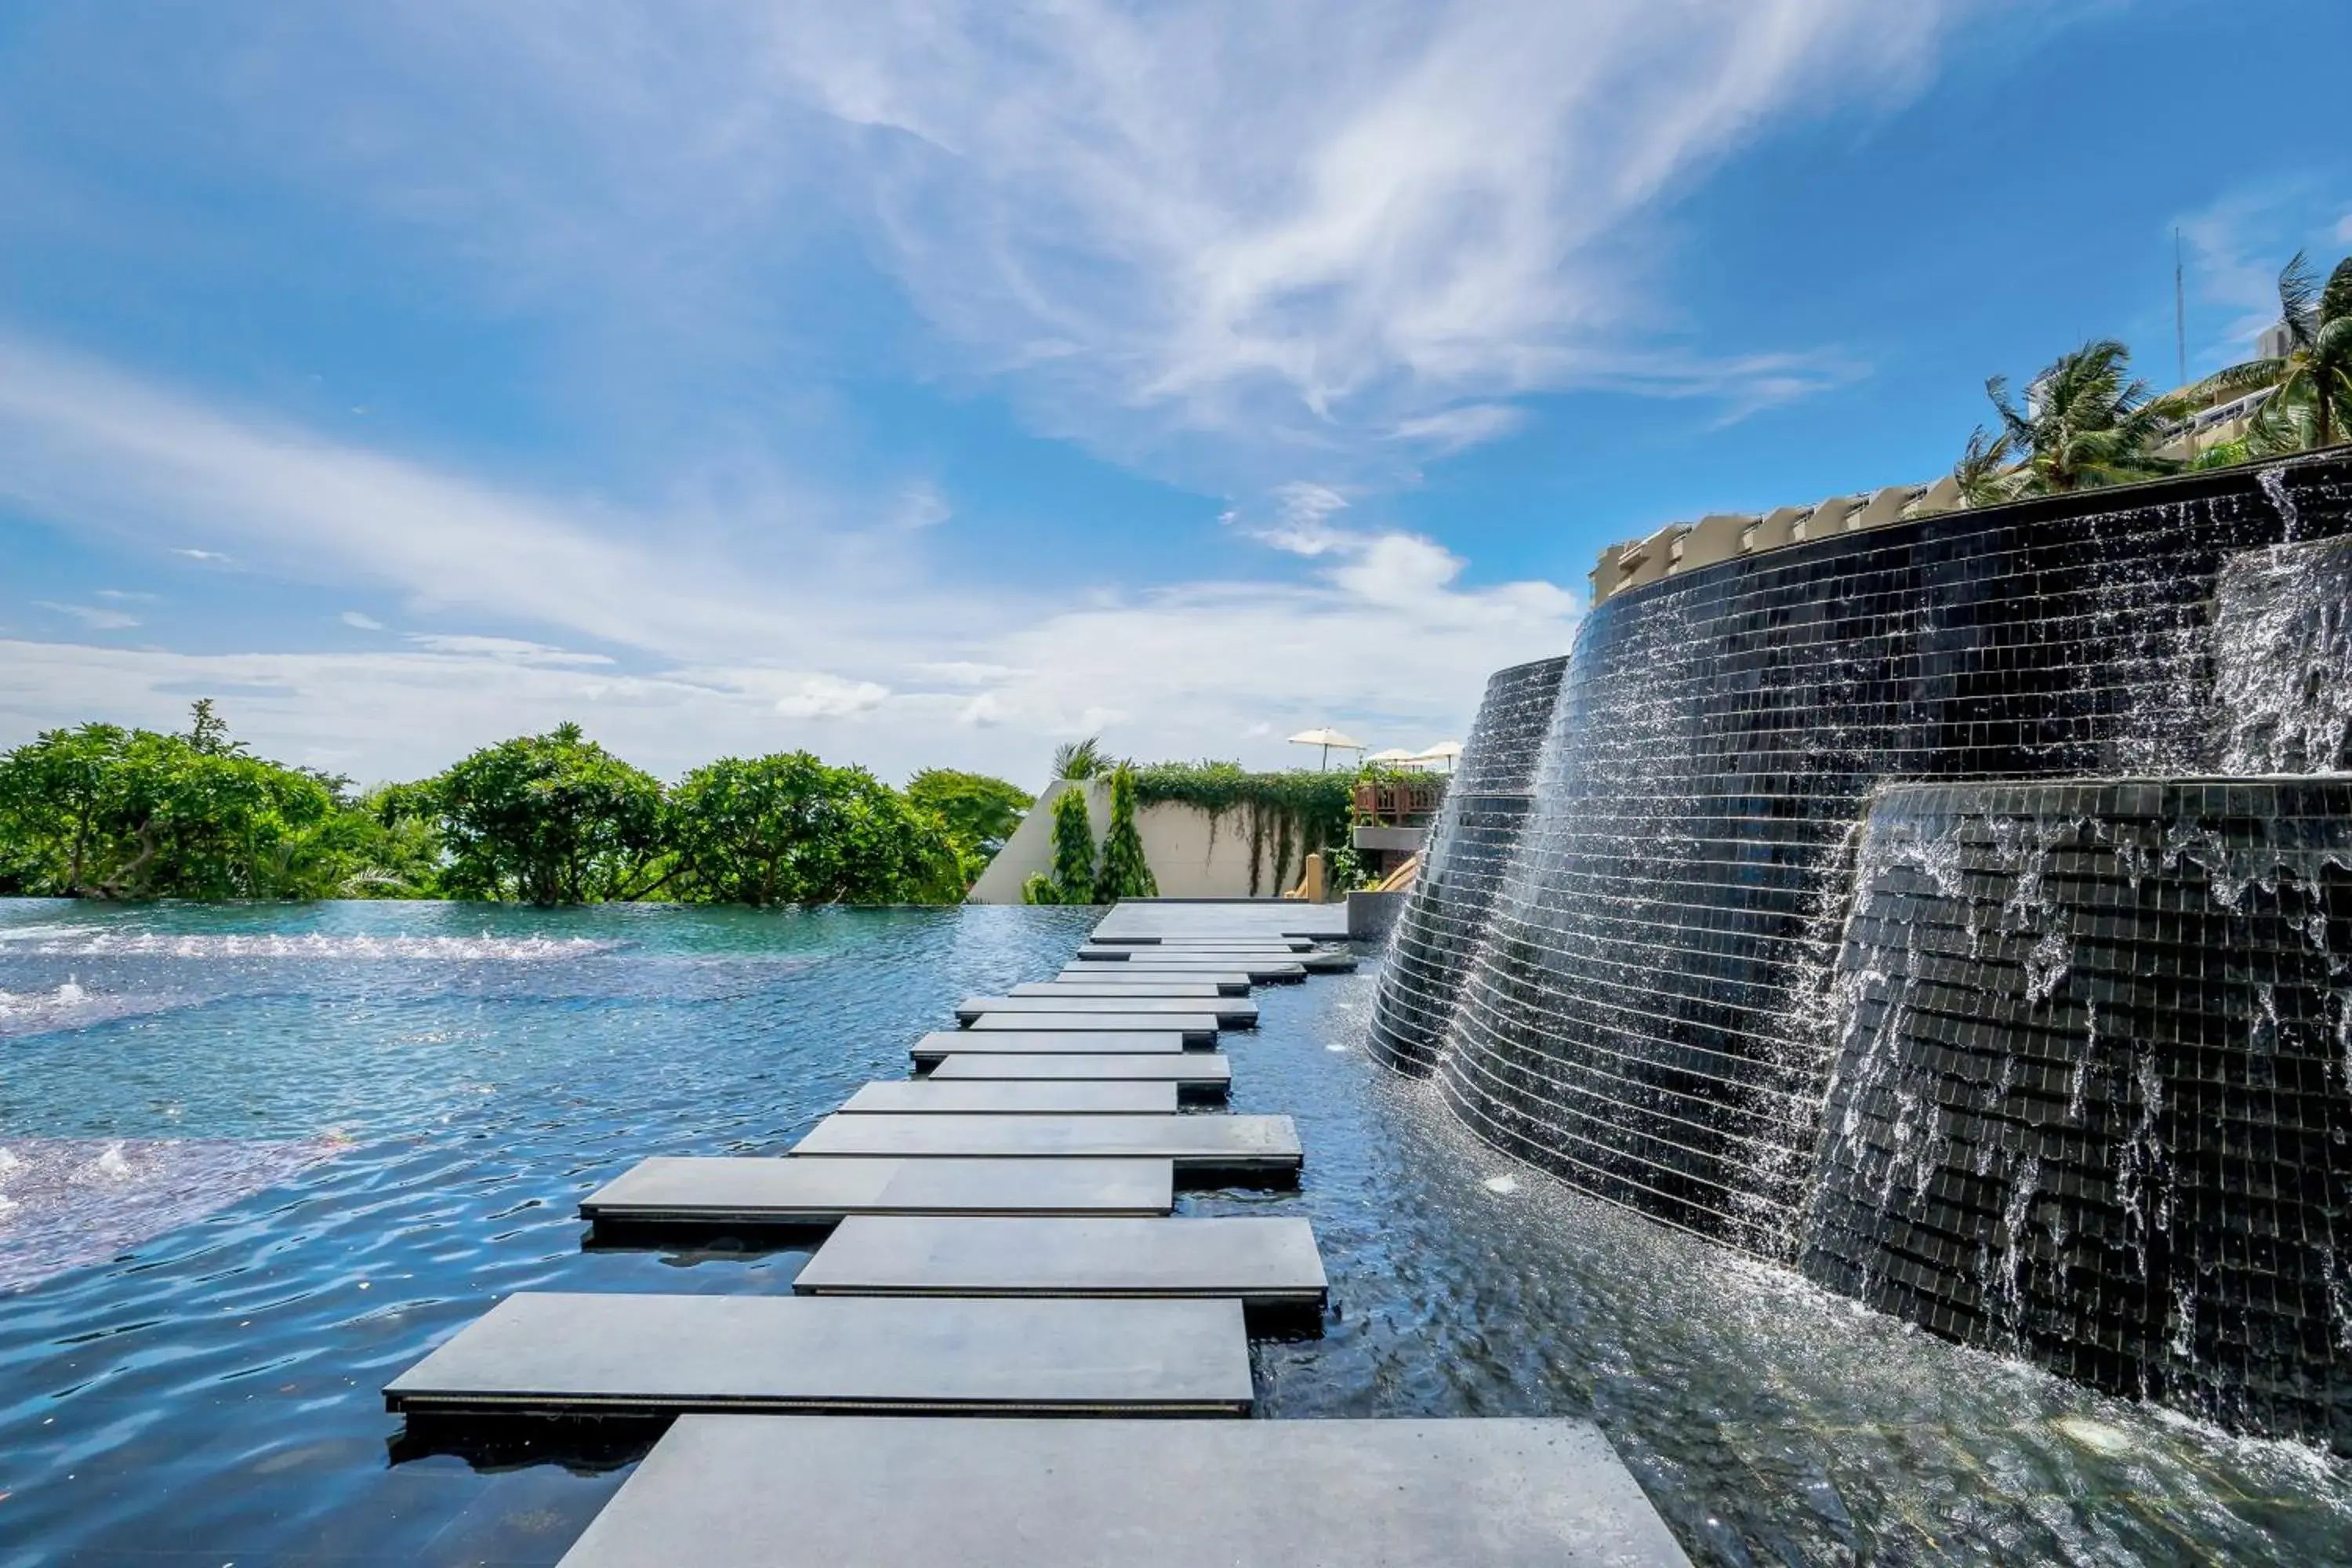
(2179, 309)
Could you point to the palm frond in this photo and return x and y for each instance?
(2298, 288)
(2238, 379)
(2335, 299)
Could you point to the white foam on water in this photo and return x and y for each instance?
(1505, 1186)
(314, 945)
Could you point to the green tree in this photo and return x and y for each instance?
(980, 812)
(1080, 759)
(1073, 848)
(546, 819)
(105, 812)
(788, 829)
(1124, 872)
(2085, 423)
(2311, 384)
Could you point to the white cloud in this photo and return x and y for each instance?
(2343, 230)
(2236, 249)
(505, 651)
(365, 623)
(831, 697)
(125, 596)
(722, 638)
(1213, 236)
(199, 554)
(92, 616)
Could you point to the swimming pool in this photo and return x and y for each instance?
(270, 1155)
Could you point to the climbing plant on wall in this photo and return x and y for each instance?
(1287, 815)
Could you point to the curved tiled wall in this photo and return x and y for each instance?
(2090, 1102)
(1471, 844)
(1642, 1014)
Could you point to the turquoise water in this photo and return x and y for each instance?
(262, 1158)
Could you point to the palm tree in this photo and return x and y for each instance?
(1080, 759)
(1984, 472)
(2085, 423)
(2311, 384)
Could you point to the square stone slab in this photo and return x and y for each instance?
(929, 1096)
(1237, 1143)
(1165, 918)
(1257, 971)
(556, 1353)
(1204, 1072)
(944, 1042)
(1317, 963)
(1128, 985)
(723, 1491)
(1175, 944)
(1229, 1012)
(1196, 1029)
(1265, 1262)
(721, 1191)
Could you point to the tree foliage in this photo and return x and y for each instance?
(543, 819)
(1124, 872)
(1080, 759)
(107, 811)
(1073, 878)
(789, 830)
(2311, 384)
(2085, 422)
(978, 812)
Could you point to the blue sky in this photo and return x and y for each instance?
(926, 384)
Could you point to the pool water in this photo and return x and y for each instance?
(264, 1158)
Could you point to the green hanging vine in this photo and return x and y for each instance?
(1303, 810)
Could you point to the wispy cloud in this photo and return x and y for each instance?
(93, 617)
(1216, 237)
(363, 622)
(720, 647)
(2236, 249)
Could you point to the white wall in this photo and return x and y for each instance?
(1191, 857)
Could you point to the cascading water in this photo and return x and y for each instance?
(2282, 660)
(1666, 1006)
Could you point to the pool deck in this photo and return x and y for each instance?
(1006, 1243)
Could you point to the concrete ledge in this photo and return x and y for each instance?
(1197, 1030)
(1229, 1012)
(645, 1355)
(943, 1044)
(929, 1096)
(1390, 840)
(813, 1192)
(1251, 1145)
(1370, 913)
(1196, 1074)
(1264, 1262)
(724, 1491)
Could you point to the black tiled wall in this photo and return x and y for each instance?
(2090, 1101)
(1647, 1010)
(1469, 848)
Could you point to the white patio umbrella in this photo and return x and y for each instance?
(1393, 755)
(1443, 752)
(1329, 739)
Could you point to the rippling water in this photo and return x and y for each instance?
(443, 1083)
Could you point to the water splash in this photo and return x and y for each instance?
(2283, 660)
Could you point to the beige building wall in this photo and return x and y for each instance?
(1191, 857)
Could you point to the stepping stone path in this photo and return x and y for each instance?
(1004, 1242)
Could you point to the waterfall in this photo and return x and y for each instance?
(2283, 660)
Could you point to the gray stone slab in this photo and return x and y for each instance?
(1229, 1012)
(712, 1191)
(1249, 969)
(1192, 1071)
(724, 1491)
(1316, 961)
(1252, 1144)
(929, 1096)
(1197, 1029)
(1265, 1262)
(1225, 917)
(556, 1353)
(1228, 982)
(1125, 986)
(1177, 943)
(944, 1042)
